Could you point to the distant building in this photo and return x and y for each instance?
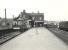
(8, 24)
(29, 19)
(51, 24)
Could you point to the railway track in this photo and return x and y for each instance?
(6, 35)
(63, 35)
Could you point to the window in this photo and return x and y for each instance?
(40, 18)
(24, 16)
(33, 18)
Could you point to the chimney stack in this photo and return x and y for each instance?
(5, 15)
(13, 16)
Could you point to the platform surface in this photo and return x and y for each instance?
(35, 39)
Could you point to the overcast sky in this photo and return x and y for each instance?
(52, 9)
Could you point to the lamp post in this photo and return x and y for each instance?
(36, 30)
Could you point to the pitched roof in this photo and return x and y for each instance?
(30, 15)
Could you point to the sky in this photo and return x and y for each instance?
(53, 9)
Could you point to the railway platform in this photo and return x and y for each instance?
(35, 39)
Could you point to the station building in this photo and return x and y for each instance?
(29, 19)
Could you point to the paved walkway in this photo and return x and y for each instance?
(35, 39)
